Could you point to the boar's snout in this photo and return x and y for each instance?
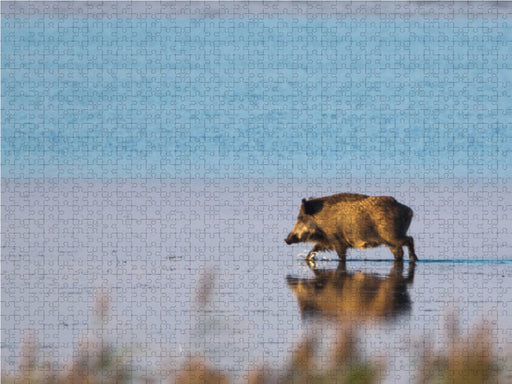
(291, 239)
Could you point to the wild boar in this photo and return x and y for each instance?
(349, 220)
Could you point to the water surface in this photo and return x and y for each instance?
(148, 244)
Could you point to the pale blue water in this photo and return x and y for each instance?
(407, 96)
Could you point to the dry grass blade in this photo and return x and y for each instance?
(195, 371)
(469, 360)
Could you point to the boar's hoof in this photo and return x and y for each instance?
(311, 264)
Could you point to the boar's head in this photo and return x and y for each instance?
(306, 228)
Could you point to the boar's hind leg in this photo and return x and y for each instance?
(410, 245)
(396, 248)
(398, 252)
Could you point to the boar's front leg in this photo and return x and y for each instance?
(341, 250)
(317, 248)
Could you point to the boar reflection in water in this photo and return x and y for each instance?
(350, 220)
(346, 295)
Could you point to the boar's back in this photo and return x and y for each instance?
(314, 205)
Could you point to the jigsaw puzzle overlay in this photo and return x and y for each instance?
(155, 155)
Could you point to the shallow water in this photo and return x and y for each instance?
(147, 244)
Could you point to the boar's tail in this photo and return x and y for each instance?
(404, 218)
(408, 214)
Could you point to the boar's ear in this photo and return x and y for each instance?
(312, 206)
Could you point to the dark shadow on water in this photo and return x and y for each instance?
(468, 261)
(341, 295)
(427, 261)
